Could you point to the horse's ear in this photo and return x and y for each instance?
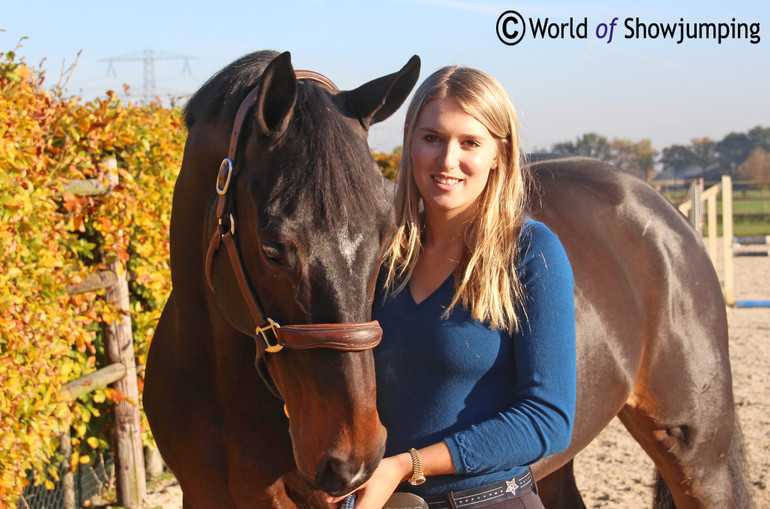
(377, 100)
(277, 96)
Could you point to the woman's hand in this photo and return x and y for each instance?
(377, 490)
(392, 471)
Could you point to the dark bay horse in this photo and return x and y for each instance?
(288, 231)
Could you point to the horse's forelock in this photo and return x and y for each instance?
(331, 170)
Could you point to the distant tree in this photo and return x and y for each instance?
(727, 155)
(678, 157)
(700, 153)
(637, 158)
(733, 150)
(705, 153)
(760, 136)
(756, 166)
(564, 147)
(589, 145)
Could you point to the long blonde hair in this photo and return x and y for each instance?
(486, 282)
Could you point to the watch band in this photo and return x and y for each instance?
(418, 476)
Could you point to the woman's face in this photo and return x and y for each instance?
(452, 154)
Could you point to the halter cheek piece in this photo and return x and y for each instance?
(335, 336)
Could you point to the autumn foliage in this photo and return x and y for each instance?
(388, 163)
(49, 239)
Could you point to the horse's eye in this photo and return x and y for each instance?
(272, 252)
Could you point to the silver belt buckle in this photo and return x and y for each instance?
(403, 500)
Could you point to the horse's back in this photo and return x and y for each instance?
(629, 246)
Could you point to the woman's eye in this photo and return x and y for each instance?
(430, 138)
(272, 252)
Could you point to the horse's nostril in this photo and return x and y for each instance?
(335, 477)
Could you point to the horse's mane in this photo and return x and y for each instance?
(332, 184)
(223, 92)
(336, 182)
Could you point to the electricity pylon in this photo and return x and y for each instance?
(149, 57)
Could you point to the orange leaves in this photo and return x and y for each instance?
(49, 239)
(388, 163)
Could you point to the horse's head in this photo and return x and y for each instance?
(301, 210)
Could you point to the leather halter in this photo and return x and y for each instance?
(337, 336)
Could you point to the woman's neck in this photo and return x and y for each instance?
(445, 230)
(443, 247)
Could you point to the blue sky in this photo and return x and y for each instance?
(631, 87)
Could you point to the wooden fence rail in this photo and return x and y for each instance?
(691, 207)
(130, 477)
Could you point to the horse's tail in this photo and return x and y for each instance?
(737, 466)
(663, 498)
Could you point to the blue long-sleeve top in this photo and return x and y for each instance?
(499, 401)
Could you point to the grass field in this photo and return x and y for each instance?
(751, 209)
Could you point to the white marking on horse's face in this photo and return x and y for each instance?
(349, 247)
(359, 476)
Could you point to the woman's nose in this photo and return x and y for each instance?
(449, 157)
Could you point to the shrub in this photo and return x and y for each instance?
(49, 239)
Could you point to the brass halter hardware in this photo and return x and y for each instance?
(271, 325)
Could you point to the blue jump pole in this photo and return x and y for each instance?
(752, 304)
(756, 240)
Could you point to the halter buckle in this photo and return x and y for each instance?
(232, 226)
(271, 325)
(225, 173)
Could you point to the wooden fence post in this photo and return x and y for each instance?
(696, 213)
(121, 371)
(727, 237)
(67, 478)
(126, 428)
(712, 228)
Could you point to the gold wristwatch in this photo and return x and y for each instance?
(418, 476)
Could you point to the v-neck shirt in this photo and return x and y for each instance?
(499, 401)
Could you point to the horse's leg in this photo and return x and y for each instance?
(737, 467)
(691, 454)
(681, 412)
(559, 490)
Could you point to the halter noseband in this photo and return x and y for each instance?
(337, 336)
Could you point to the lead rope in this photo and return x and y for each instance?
(349, 502)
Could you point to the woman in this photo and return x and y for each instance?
(476, 369)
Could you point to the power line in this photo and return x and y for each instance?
(149, 57)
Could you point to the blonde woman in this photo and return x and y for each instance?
(476, 370)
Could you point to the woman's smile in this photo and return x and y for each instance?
(448, 181)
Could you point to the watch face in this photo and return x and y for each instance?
(401, 500)
(416, 481)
